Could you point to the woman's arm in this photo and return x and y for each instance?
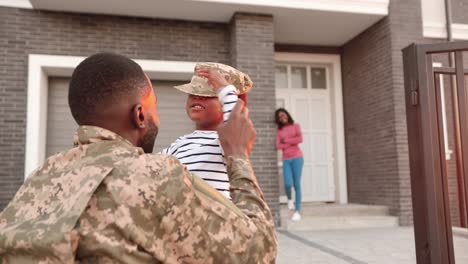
(280, 144)
(295, 139)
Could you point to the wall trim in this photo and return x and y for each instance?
(17, 3)
(294, 48)
(379, 7)
(341, 191)
(41, 67)
(348, 6)
(439, 31)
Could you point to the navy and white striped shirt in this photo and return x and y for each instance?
(201, 151)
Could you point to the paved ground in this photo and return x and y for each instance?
(358, 246)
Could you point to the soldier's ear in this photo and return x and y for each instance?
(138, 116)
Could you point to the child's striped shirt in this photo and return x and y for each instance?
(201, 151)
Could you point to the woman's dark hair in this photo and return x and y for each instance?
(278, 123)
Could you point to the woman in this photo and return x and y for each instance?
(288, 137)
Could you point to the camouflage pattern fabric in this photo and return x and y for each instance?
(105, 201)
(200, 86)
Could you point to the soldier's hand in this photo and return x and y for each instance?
(238, 133)
(213, 76)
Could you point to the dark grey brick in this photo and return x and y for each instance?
(375, 118)
(252, 50)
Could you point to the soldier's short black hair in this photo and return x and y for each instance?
(101, 80)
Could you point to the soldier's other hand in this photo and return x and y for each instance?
(238, 133)
(213, 76)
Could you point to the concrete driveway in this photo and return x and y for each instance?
(359, 246)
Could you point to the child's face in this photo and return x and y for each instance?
(206, 112)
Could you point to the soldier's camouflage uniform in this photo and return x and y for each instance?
(105, 201)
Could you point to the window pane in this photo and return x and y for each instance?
(298, 77)
(281, 77)
(319, 79)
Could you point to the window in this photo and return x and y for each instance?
(298, 77)
(319, 78)
(281, 77)
(304, 77)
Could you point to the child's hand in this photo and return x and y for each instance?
(214, 77)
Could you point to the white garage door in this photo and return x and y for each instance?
(61, 126)
(60, 123)
(172, 114)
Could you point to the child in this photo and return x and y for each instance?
(212, 94)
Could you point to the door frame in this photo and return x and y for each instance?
(333, 61)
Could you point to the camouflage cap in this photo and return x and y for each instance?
(200, 86)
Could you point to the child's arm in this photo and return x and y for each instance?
(173, 147)
(227, 94)
(228, 98)
(167, 150)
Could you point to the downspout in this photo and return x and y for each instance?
(448, 20)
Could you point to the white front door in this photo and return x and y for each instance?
(304, 90)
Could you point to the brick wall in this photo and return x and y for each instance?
(369, 118)
(25, 32)
(460, 11)
(375, 118)
(406, 28)
(252, 50)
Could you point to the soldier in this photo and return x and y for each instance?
(107, 200)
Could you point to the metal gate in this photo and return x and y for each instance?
(427, 137)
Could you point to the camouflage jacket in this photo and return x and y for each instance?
(105, 201)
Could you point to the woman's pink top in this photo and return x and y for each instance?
(287, 139)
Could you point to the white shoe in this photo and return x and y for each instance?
(290, 205)
(296, 216)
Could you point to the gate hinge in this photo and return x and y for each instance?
(414, 93)
(414, 97)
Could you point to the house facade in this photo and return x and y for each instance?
(336, 65)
